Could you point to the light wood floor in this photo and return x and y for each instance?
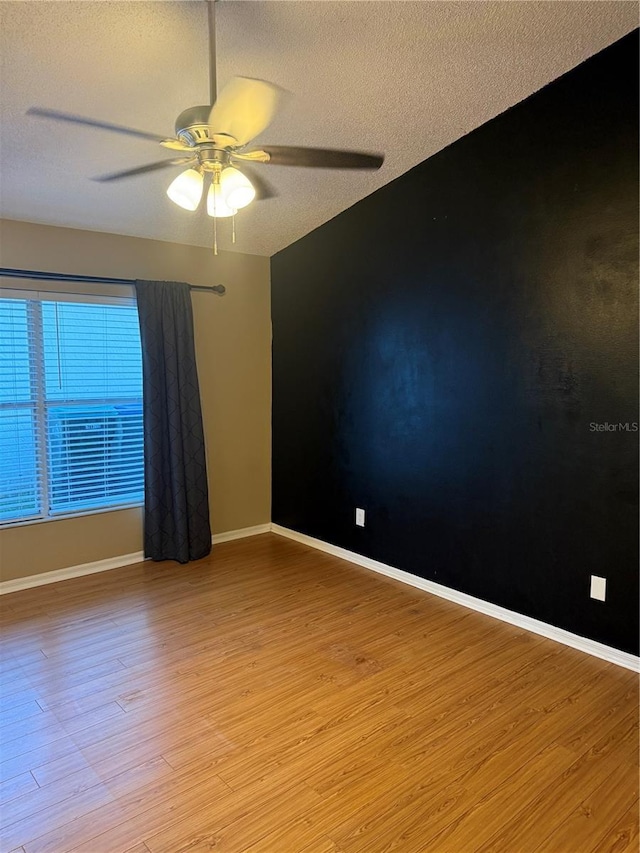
(272, 698)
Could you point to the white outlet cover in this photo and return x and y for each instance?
(598, 588)
(359, 517)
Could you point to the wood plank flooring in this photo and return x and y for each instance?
(274, 699)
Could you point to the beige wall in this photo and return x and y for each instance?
(233, 349)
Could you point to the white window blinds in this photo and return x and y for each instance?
(70, 405)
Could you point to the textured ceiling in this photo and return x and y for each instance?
(406, 78)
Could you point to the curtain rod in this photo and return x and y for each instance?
(91, 279)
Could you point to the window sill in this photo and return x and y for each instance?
(8, 525)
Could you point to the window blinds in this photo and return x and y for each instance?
(70, 405)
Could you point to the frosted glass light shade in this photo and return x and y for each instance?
(186, 190)
(216, 204)
(237, 190)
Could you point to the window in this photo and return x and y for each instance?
(70, 405)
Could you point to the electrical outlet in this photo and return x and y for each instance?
(598, 588)
(359, 517)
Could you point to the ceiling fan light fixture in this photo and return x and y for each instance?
(237, 189)
(186, 189)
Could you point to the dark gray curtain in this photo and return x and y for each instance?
(176, 509)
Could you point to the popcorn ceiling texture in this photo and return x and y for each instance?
(406, 78)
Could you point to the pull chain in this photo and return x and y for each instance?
(233, 228)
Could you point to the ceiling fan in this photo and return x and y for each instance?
(213, 139)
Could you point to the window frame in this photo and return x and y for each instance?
(38, 402)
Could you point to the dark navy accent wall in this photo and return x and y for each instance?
(442, 349)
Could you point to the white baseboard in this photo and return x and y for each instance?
(71, 572)
(583, 644)
(241, 533)
(112, 563)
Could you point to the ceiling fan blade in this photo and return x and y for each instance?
(41, 112)
(263, 188)
(244, 108)
(175, 145)
(319, 158)
(141, 170)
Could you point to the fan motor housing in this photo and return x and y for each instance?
(192, 127)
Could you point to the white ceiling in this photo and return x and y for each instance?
(406, 78)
